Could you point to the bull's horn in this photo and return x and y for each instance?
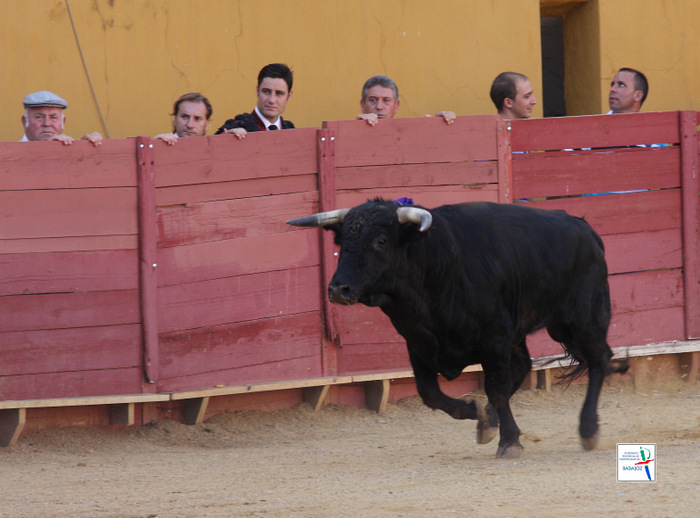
(415, 215)
(321, 219)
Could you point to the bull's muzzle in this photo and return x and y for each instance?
(341, 294)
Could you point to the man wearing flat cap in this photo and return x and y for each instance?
(43, 119)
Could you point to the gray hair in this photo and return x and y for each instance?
(380, 80)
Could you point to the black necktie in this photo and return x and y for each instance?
(272, 127)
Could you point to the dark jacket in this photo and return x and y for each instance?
(249, 122)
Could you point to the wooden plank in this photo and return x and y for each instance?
(148, 238)
(55, 272)
(231, 219)
(68, 212)
(224, 158)
(505, 162)
(64, 310)
(316, 396)
(122, 414)
(372, 357)
(233, 257)
(377, 395)
(194, 410)
(622, 213)
(66, 384)
(121, 399)
(327, 194)
(361, 324)
(261, 387)
(238, 299)
(643, 251)
(546, 175)
(619, 353)
(425, 196)
(415, 140)
(646, 290)
(593, 131)
(646, 327)
(49, 165)
(283, 369)
(237, 346)
(690, 170)
(68, 244)
(468, 174)
(251, 188)
(12, 423)
(60, 350)
(694, 367)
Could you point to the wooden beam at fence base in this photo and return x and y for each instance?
(122, 414)
(11, 425)
(194, 410)
(694, 367)
(315, 396)
(377, 395)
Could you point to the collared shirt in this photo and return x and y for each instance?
(24, 139)
(267, 123)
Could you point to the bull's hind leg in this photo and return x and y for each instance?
(597, 359)
(593, 354)
(433, 397)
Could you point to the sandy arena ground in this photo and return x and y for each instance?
(347, 462)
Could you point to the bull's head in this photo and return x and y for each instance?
(369, 237)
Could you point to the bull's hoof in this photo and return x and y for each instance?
(487, 426)
(509, 451)
(484, 432)
(590, 443)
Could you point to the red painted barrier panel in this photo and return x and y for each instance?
(239, 295)
(610, 171)
(69, 291)
(140, 262)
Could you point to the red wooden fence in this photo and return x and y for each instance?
(141, 267)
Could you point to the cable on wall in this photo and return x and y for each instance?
(87, 73)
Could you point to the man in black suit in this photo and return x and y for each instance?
(273, 92)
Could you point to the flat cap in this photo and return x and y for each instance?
(44, 98)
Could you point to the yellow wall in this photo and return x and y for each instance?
(141, 55)
(660, 38)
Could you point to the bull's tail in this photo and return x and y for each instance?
(578, 367)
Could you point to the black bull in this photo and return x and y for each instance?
(465, 284)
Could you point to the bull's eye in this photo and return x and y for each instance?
(379, 242)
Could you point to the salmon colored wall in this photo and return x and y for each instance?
(142, 55)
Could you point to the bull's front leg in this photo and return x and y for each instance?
(497, 384)
(433, 397)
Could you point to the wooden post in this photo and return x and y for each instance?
(691, 221)
(147, 257)
(377, 395)
(11, 424)
(122, 414)
(327, 201)
(194, 410)
(505, 162)
(315, 396)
